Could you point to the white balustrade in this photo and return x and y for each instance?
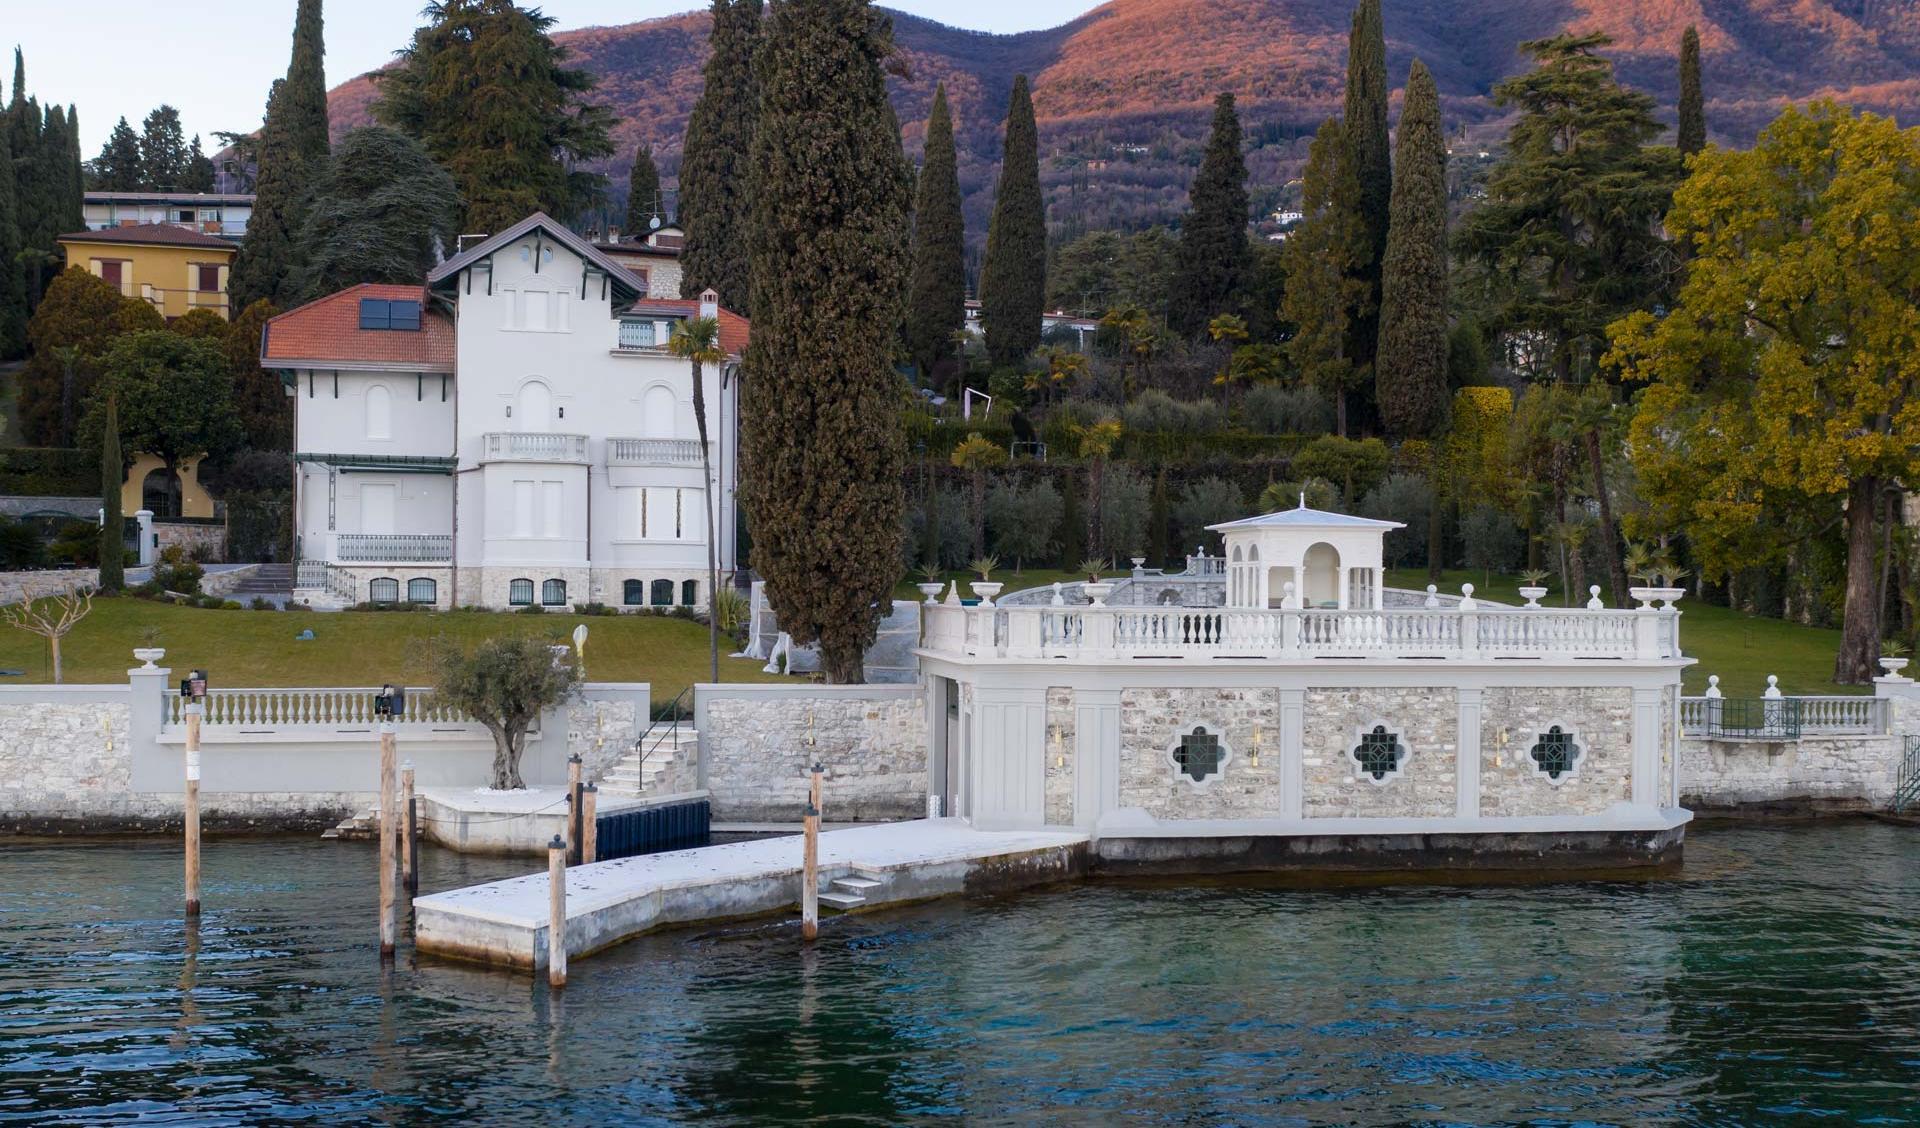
(1818, 716)
(653, 452)
(396, 548)
(535, 446)
(316, 708)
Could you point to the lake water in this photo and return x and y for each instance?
(1775, 977)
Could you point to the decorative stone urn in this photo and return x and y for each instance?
(1668, 596)
(148, 655)
(1532, 593)
(986, 591)
(1644, 596)
(1098, 591)
(1893, 666)
(931, 591)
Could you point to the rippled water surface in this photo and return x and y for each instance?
(1775, 978)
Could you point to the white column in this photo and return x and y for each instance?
(1293, 735)
(1096, 754)
(1646, 746)
(1467, 781)
(147, 550)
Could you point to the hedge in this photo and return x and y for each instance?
(49, 472)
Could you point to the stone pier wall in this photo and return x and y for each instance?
(757, 742)
(1814, 773)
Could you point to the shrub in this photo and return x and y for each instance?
(262, 603)
(1208, 501)
(77, 543)
(1024, 519)
(175, 572)
(20, 546)
(1155, 410)
(1490, 540)
(1274, 410)
(1320, 494)
(50, 472)
(594, 609)
(1356, 466)
(730, 608)
(531, 609)
(231, 605)
(1408, 499)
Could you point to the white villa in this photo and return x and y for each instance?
(511, 433)
(1279, 704)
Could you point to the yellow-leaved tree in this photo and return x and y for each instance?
(1786, 380)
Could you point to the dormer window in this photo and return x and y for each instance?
(382, 313)
(635, 334)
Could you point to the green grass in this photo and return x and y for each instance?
(257, 648)
(1742, 649)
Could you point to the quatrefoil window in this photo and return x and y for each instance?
(1379, 752)
(1199, 754)
(1555, 752)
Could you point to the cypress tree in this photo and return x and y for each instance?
(199, 169)
(1411, 367)
(643, 193)
(1691, 137)
(1159, 524)
(117, 168)
(823, 451)
(1013, 279)
(112, 530)
(163, 150)
(1215, 257)
(715, 210)
(1367, 152)
(13, 290)
(74, 190)
(936, 304)
(293, 141)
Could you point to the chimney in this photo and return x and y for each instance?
(709, 303)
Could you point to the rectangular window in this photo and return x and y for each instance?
(536, 304)
(550, 510)
(185, 215)
(636, 335)
(110, 270)
(523, 509)
(207, 277)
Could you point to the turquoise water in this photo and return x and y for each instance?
(1774, 979)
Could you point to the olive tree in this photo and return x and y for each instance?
(505, 683)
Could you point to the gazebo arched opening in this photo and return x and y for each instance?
(1321, 566)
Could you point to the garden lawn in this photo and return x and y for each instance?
(244, 649)
(1743, 649)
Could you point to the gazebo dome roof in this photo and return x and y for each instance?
(1304, 518)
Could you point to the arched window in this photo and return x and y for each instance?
(663, 593)
(384, 591)
(379, 412)
(689, 592)
(520, 593)
(633, 593)
(553, 593)
(422, 589)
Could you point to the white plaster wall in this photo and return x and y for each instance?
(330, 423)
(1510, 782)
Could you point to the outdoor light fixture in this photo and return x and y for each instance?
(390, 702)
(1255, 757)
(193, 687)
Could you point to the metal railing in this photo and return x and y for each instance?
(653, 452)
(321, 575)
(1906, 787)
(1730, 718)
(535, 446)
(398, 548)
(325, 708)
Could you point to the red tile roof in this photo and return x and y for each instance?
(734, 329)
(161, 234)
(327, 332)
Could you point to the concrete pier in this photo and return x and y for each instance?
(505, 922)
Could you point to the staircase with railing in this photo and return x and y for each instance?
(1906, 788)
(668, 749)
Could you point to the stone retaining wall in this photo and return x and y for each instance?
(1812, 773)
(755, 750)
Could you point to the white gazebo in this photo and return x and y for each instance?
(1305, 558)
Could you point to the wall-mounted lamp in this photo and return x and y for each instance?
(1255, 757)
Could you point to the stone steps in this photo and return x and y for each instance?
(636, 772)
(845, 894)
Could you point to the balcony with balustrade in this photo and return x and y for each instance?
(392, 548)
(533, 446)
(653, 452)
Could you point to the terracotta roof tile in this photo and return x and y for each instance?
(734, 329)
(327, 331)
(165, 234)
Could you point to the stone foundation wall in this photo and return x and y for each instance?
(1427, 721)
(602, 731)
(1061, 751)
(1152, 720)
(1511, 783)
(191, 537)
(18, 586)
(1814, 772)
(872, 741)
(61, 756)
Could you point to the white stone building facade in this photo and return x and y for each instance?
(512, 433)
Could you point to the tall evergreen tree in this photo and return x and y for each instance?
(292, 142)
(199, 169)
(488, 92)
(163, 150)
(936, 304)
(1411, 366)
(1321, 283)
(1013, 279)
(715, 164)
(73, 196)
(1215, 258)
(13, 290)
(382, 211)
(823, 451)
(35, 198)
(643, 193)
(1691, 137)
(113, 471)
(1368, 152)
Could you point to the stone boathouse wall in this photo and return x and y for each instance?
(757, 743)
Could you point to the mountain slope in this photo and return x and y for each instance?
(1123, 92)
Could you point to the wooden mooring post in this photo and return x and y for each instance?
(409, 833)
(810, 862)
(589, 824)
(193, 711)
(575, 822)
(389, 833)
(556, 913)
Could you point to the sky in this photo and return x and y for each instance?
(215, 61)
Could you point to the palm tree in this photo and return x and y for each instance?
(1096, 443)
(697, 339)
(976, 455)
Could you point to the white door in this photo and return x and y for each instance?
(534, 412)
(377, 503)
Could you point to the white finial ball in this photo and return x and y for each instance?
(1593, 601)
(1466, 589)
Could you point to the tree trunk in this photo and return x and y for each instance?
(55, 640)
(1340, 411)
(1860, 623)
(979, 514)
(516, 747)
(502, 751)
(1095, 469)
(713, 559)
(1436, 542)
(842, 662)
(1610, 541)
